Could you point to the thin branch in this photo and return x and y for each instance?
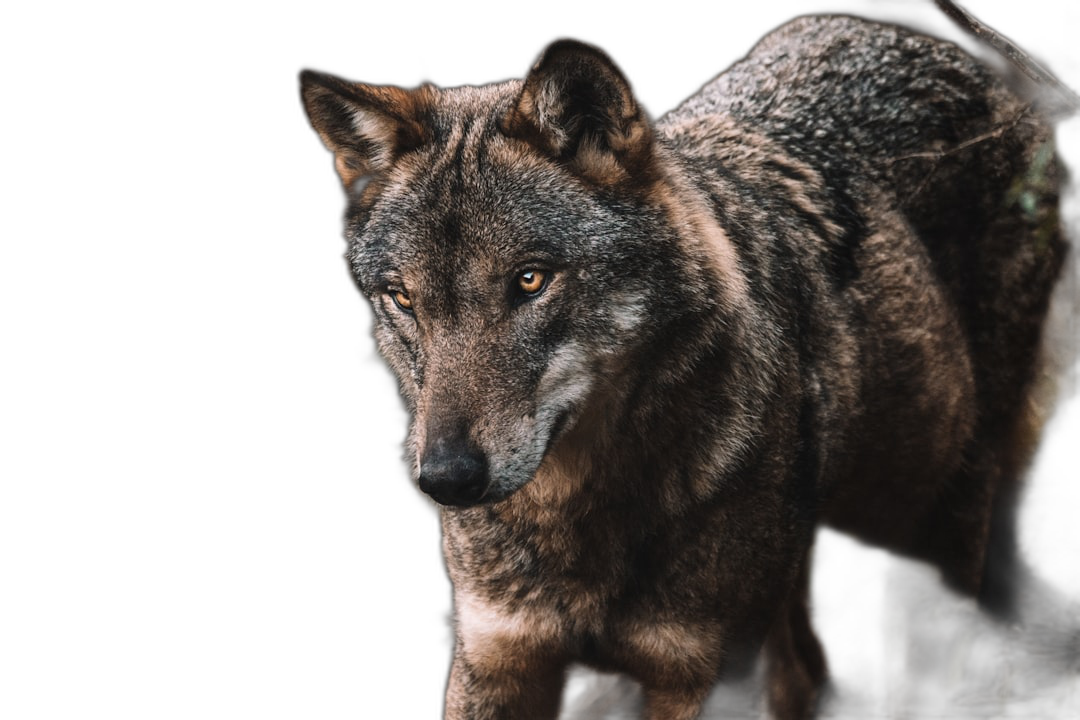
(1070, 101)
(938, 155)
(992, 134)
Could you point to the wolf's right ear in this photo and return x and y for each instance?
(367, 127)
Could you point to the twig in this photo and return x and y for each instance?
(992, 134)
(938, 155)
(1070, 101)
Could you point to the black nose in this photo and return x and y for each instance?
(455, 476)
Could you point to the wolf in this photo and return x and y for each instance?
(644, 361)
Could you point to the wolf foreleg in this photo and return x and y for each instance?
(503, 682)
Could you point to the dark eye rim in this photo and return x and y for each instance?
(396, 295)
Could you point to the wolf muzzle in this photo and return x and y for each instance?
(454, 474)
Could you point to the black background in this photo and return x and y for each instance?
(326, 586)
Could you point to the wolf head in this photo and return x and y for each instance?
(518, 247)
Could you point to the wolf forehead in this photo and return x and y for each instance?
(468, 199)
(464, 192)
(563, 164)
(478, 242)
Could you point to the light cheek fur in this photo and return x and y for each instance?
(516, 442)
(566, 381)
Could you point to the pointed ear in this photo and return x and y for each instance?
(576, 106)
(367, 127)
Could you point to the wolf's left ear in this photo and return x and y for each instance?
(576, 106)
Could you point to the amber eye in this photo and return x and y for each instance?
(402, 300)
(532, 282)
